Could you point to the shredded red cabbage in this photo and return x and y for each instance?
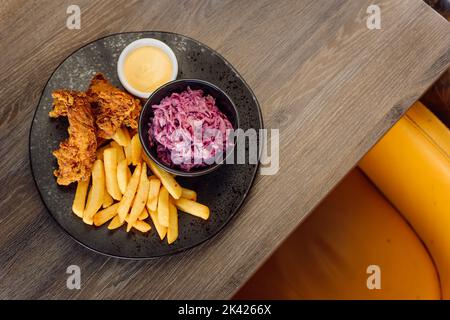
(189, 131)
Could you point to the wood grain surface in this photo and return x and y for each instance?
(331, 86)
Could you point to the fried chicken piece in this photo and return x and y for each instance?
(62, 99)
(112, 107)
(76, 154)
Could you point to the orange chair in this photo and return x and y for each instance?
(402, 227)
(411, 166)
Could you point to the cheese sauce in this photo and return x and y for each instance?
(147, 68)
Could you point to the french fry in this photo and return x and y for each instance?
(115, 223)
(127, 150)
(107, 200)
(136, 150)
(110, 158)
(105, 215)
(141, 226)
(140, 198)
(122, 137)
(143, 215)
(153, 193)
(192, 207)
(161, 230)
(166, 178)
(99, 152)
(123, 175)
(189, 194)
(80, 197)
(128, 196)
(97, 192)
(119, 149)
(172, 230)
(163, 207)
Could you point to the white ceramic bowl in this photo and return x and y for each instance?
(144, 42)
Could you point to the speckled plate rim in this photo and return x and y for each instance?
(231, 216)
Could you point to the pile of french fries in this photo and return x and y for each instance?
(122, 196)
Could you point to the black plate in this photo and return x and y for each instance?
(223, 190)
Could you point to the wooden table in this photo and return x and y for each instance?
(331, 85)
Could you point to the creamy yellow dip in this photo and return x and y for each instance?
(147, 68)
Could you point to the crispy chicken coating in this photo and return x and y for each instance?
(76, 154)
(94, 116)
(112, 107)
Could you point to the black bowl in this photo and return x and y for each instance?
(223, 102)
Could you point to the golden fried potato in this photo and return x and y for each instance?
(112, 186)
(97, 192)
(127, 199)
(163, 207)
(189, 194)
(143, 215)
(115, 223)
(128, 156)
(153, 193)
(142, 226)
(119, 149)
(172, 230)
(166, 178)
(99, 151)
(122, 137)
(80, 198)
(123, 175)
(192, 207)
(105, 215)
(136, 150)
(140, 198)
(107, 200)
(160, 229)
